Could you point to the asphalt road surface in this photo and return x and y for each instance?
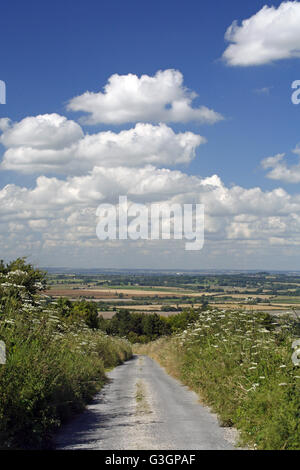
(143, 408)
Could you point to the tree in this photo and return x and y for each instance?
(64, 306)
(19, 281)
(121, 323)
(33, 279)
(87, 311)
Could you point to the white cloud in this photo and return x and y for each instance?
(52, 144)
(57, 218)
(269, 35)
(279, 169)
(4, 124)
(129, 98)
(41, 132)
(52, 199)
(38, 224)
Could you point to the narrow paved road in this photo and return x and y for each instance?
(144, 408)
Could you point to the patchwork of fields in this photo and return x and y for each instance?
(260, 292)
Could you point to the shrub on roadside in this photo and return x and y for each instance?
(54, 365)
(240, 364)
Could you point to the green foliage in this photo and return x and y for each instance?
(136, 327)
(168, 308)
(64, 307)
(240, 364)
(181, 321)
(142, 328)
(56, 359)
(19, 282)
(87, 311)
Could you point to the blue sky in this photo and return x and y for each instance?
(53, 51)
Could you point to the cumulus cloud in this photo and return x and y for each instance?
(59, 216)
(4, 124)
(228, 209)
(129, 98)
(52, 196)
(52, 144)
(280, 170)
(269, 35)
(41, 132)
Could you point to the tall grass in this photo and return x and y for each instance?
(54, 365)
(53, 369)
(240, 364)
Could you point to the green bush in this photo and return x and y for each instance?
(55, 364)
(145, 327)
(240, 364)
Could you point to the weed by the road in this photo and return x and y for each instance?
(142, 405)
(139, 392)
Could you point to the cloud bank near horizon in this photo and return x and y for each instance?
(76, 171)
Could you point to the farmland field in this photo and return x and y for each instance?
(155, 292)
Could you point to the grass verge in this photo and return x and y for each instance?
(240, 364)
(53, 369)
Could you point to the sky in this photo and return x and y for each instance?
(173, 102)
